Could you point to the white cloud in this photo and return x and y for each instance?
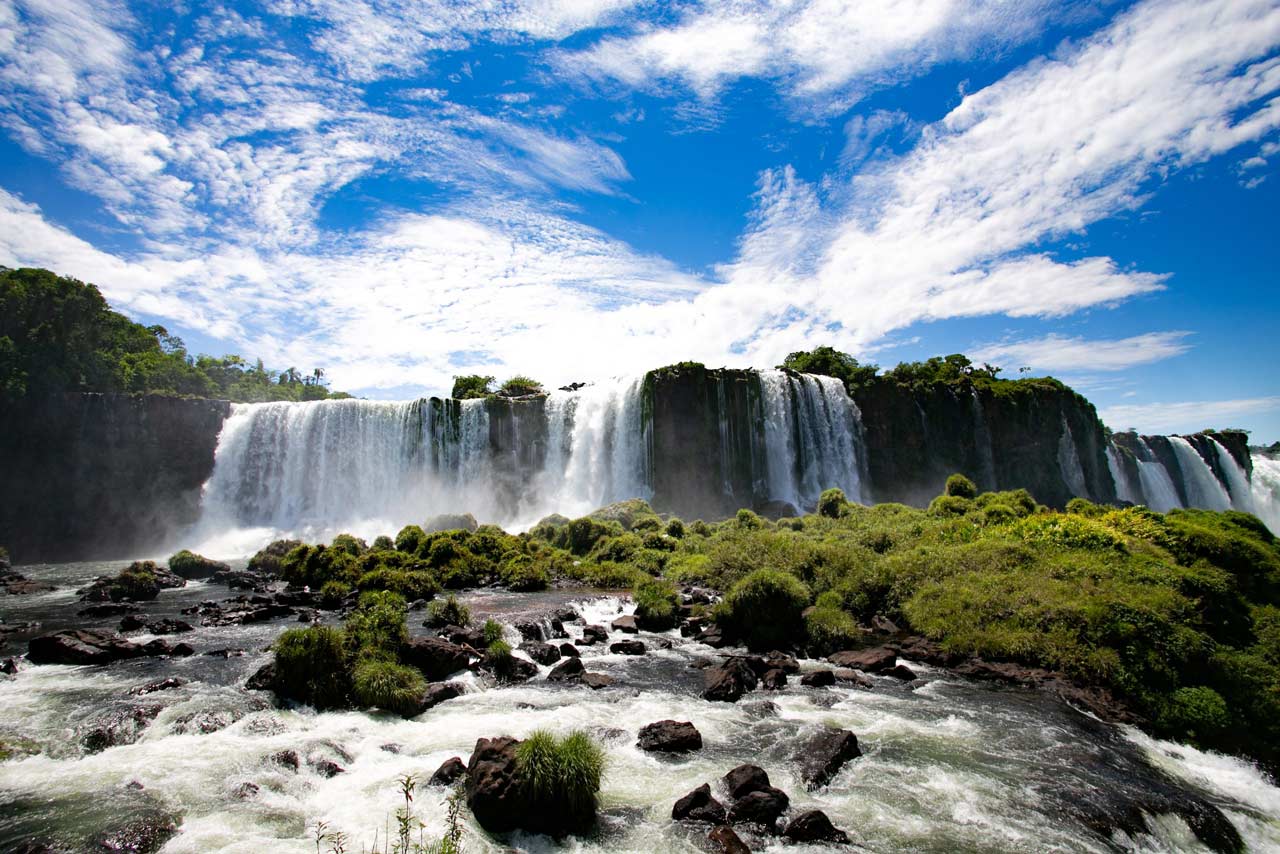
(1062, 353)
(1185, 416)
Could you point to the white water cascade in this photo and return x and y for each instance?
(1265, 490)
(1120, 477)
(813, 438)
(1157, 487)
(1241, 491)
(1069, 461)
(1204, 490)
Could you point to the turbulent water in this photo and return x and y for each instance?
(950, 765)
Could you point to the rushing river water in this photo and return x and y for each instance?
(949, 765)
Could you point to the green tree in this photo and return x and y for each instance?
(471, 386)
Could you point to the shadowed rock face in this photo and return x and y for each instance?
(103, 475)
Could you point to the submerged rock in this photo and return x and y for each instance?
(628, 647)
(568, 670)
(814, 826)
(543, 653)
(121, 725)
(745, 779)
(437, 659)
(818, 679)
(626, 625)
(763, 806)
(825, 754)
(867, 660)
(17, 584)
(439, 693)
(158, 685)
(724, 840)
(592, 635)
(82, 646)
(727, 682)
(699, 805)
(596, 681)
(448, 772)
(669, 737)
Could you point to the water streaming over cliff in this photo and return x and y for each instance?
(812, 438)
(1203, 487)
(1266, 490)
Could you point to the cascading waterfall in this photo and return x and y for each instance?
(1157, 487)
(1069, 461)
(812, 438)
(1125, 490)
(1237, 479)
(1265, 489)
(982, 441)
(1203, 487)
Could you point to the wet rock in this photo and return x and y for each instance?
(568, 670)
(852, 677)
(208, 721)
(773, 680)
(494, 787)
(157, 647)
(713, 637)
(566, 614)
(17, 584)
(745, 779)
(699, 805)
(692, 626)
(530, 630)
(592, 635)
(437, 659)
(628, 647)
(781, 661)
(557, 629)
(263, 679)
(448, 773)
(763, 806)
(468, 636)
(626, 624)
(286, 759)
(296, 598)
(82, 646)
(884, 625)
(669, 737)
(107, 609)
(439, 692)
(243, 580)
(814, 826)
(326, 767)
(543, 653)
(568, 650)
(901, 671)
(728, 681)
(158, 685)
(724, 840)
(168, 626)
(117, 726)
(825, 754)
(818, 679)
(867, 660)
(596, 681)
(761, 709)
(182, 650)
(514, 669)
(246, 791)
(10, 666)
(141, 835)
(132, 623)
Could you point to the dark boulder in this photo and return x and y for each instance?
(670, 737)
(494, 788)
(286, 759)
(818, 679)
(158, 685)
(132, 623)
(724, 840)
(699, 805)
(852, 677)
(884, 625)
(825, 754)
(901, 671)
(530, 630)
(438, 693)
(107, 609)
(168, 626)
(712, 636)
(263, 679)
(437, 659)
(82, 646)
(568, 670)
(773, 680)
(17, 584)
(121, 725)
(867, 660)
(626, 624)
(568, 650)
(745, 779)
(596, 681)
(814, 826)
(513, 669)
(627, 647)
(728, 681)
(592, 635)
(448, 773)
(543, 653)
(326, 767)
(469, 636)
(763, 806)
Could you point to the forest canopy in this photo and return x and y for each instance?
(58, 334)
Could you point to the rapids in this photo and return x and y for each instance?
(949, 765)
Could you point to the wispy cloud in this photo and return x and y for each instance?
(1062, 353)
(1185, 416)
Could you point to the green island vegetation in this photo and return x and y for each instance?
(1177, 614)
(58, 334)
(474, 386)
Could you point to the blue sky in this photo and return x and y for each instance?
(402, 191)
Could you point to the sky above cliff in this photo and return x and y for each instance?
(399, 192)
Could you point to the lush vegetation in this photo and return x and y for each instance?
(58, 334)
(472, 386)
(562, 775)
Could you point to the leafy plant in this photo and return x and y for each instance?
(562, 776)
(448, 612)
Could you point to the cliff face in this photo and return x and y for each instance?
(102, 476)
(1044, 438)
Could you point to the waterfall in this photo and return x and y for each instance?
(982, 441)
(1266, 490)
(1120, 477)
(1237, 479)
(1157, 487)
(813, 438)
(608, 450)
(1203, 487)
(1069, 462)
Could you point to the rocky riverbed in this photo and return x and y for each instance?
(168, 750)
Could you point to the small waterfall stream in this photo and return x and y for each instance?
(1203, 487)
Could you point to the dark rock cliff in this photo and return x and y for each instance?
(102, 476)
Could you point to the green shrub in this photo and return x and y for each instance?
(659, 542)
(348, 544)
(312, 566)
(832, 503)
(765, 610)
(1085, 507)
(607, 576)
(522, 572)
(137, 581)
(675, 528)
(311, 667)
(748, 520)
(520, 386)
(376, 682)
(960, 486)
(383, 543)
(700, 528)
(996, 514)
(1071, 531)
(562, 776)
(1198, 715)
(410, 585)
(377, 626)
(829, 628)
(471, 386)
(498, 658)
(657, 604)
(950, 505)
(410, 539)
(188, 564)
(448, 612)
(617, 549)
(688, 568)
(492, 632)
(648, 523)
(334, 593)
